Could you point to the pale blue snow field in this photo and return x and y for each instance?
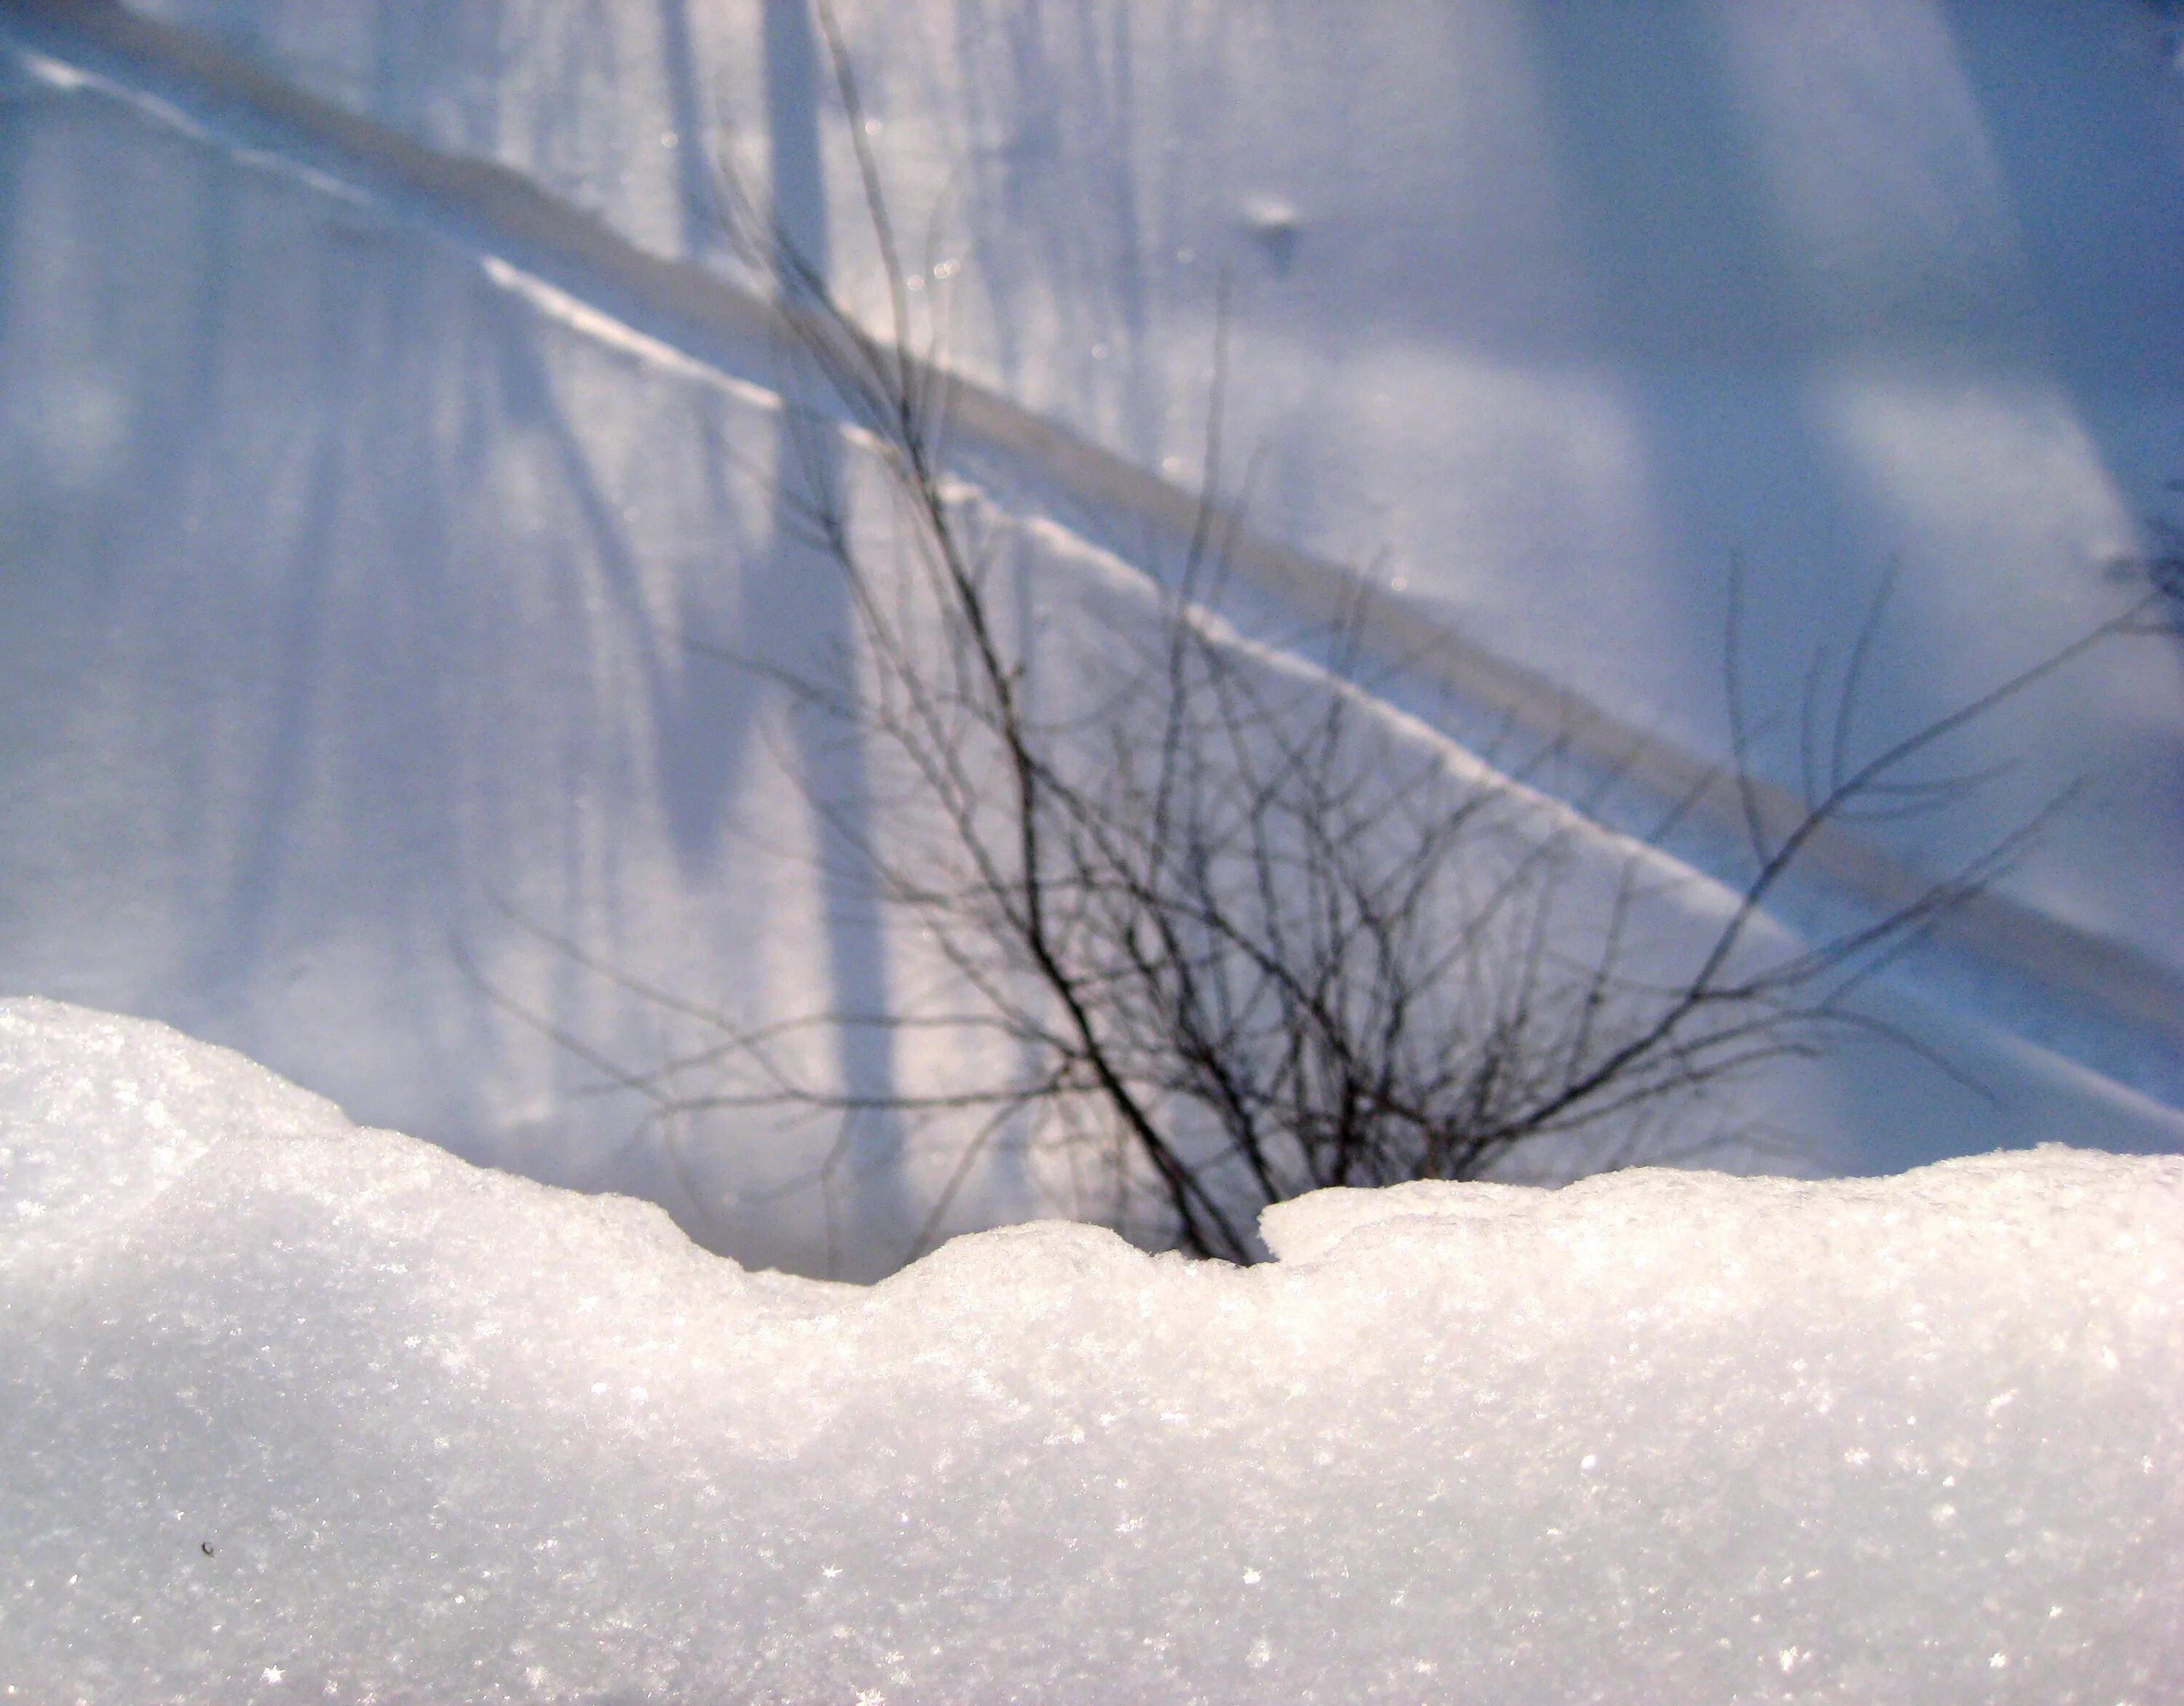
(292, 1410)
(391, 469)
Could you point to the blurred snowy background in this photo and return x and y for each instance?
(384, 435)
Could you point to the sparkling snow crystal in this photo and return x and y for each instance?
(291, 1410)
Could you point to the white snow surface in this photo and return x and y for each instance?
(292, 1410)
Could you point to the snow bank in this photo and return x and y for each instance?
(290, 1409)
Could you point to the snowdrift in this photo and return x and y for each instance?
(290, 1409)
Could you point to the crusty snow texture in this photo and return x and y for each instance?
(293, 1410)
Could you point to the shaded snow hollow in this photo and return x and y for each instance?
(294, 1410)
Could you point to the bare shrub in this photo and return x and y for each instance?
(1225, 923)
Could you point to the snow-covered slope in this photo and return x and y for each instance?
(290, 1409)
(350, 569)
(1554, 307)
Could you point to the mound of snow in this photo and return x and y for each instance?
(292, 1411)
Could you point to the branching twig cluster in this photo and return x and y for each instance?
(1233, 925)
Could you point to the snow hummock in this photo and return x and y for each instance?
(290, 1409)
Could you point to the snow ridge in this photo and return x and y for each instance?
(292, 1409)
